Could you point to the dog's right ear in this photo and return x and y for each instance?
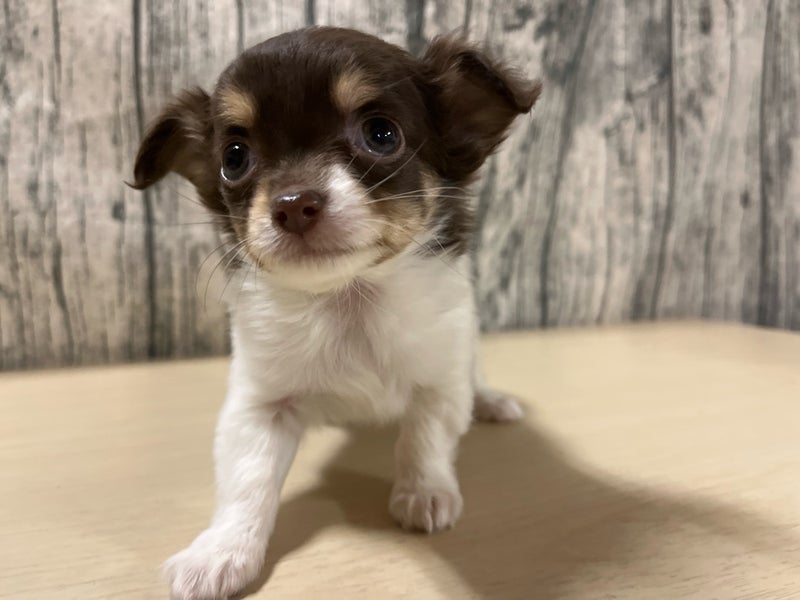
(179, 140)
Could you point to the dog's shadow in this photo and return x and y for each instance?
(535, 521)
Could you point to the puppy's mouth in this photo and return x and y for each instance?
(306, 262)
(307, 248)
(327, 246)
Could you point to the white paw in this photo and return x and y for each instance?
(492, 406)
(215, 566)
(425, 508)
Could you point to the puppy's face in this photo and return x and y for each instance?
(326, 151)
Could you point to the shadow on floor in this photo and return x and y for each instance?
(538, 523)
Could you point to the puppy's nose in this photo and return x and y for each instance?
(299, 211)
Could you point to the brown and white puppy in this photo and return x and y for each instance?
(335, 165)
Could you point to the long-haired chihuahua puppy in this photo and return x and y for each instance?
(335, 165)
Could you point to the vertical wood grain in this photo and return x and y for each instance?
(179, 44)
(658, 177)
(263, 19)
(71, 276)
(779, 157)
(711, 267)
(388, 20)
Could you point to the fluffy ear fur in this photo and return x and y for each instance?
(177, 140)
(477, 99)
(180, 140)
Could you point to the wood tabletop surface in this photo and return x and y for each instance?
(655, 461)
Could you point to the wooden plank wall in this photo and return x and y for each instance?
(659, 177)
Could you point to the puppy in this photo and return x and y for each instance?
(335, 166)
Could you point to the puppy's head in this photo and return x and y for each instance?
(326, 151)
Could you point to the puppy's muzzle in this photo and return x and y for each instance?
(298, 212)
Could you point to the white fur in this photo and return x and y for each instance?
(395, 343)
(348, 235)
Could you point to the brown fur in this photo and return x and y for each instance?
(407, 219)
(298, 101)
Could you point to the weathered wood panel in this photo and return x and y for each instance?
(709, 266)
(779, 158)
(636, 191)
(658, 178)
(71, 274)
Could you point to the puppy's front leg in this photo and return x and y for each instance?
(254, 447)
(426, 495)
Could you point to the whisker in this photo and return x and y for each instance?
(397, 170)
(235, 249)
(202, 264)
(418, 197)
(187, 224)
(432, 192)
(365, 173)
(230, 276)
(253, 266)
(371, 302)
(352, 159)
(174, 189)
(436, 239)
(195, 201)
(338, 306)
(440, 188)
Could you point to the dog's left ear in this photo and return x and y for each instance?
(178, 140)
(477, 99)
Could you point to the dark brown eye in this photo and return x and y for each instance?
(235, 161)
(381, 136)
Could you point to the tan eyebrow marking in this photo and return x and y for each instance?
(237, 106)
(352, 90)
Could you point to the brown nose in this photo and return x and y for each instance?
(297, 212)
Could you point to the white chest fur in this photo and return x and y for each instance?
(358, 353)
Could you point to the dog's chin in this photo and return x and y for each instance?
(318, 271)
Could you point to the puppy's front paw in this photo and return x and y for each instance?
(495, 407)
(215, 566)
(425, 508)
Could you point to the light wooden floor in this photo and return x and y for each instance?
(655, 462)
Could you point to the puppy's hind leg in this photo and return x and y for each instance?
(489, 405)
(492, 406)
